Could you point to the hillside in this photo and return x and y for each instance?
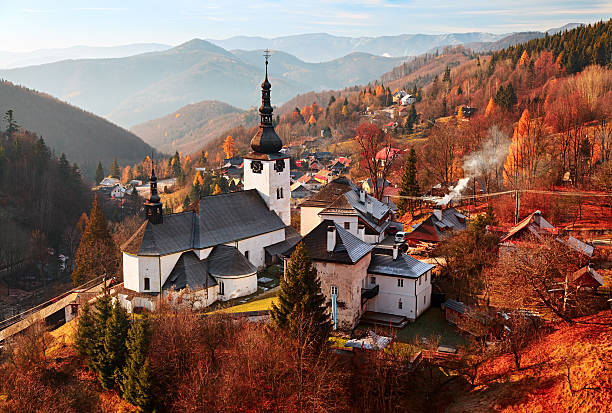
(135, 89)
(542, 385)
(84, 137)
(320, 47)
(191, 126)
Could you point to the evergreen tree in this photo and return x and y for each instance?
(135, 381)
(186, 202)
(85, 331)
(102, 313)
(409, 186)
(111, 362)
(11, 124)
(97, 254)
(99, 173)
(115, 171)
(301, 305)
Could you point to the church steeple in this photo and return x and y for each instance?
(153, 206)
(266, 140)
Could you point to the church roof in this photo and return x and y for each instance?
(190, 271)
(234, 216)
(226, 261)
(223, 218)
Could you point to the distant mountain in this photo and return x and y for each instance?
(135, 89)
(320, 47)
(84, 137)
(568, 26)
(10, 60)
(192, 126)
(510, 40)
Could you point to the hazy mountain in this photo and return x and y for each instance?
(568, 26)
(191, 127)
(135, 89)
(84, 137)
(320, 47)
(9, 60)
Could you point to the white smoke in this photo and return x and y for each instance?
(454, 192)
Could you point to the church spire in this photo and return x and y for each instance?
(153, 206)
(266, 140)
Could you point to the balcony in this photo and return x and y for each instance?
(369, 293)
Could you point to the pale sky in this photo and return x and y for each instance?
(37, 24)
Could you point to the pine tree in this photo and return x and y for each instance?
(99, 173)
(11, 124)
(301, 305)
(97, 254)
(135, 381)
(409, 186)
(111, 362)
(115, 171)
(186, 202)
(85, 331)
(103, 311)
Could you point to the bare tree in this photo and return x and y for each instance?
(371, 140)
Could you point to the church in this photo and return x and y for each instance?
(199, 258)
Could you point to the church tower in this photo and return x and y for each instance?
(265, 168)
(153, 206)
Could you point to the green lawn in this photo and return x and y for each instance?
(256, 305)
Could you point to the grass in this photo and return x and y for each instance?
(257, 305)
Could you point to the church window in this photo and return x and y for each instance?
(279, 193)
(147, 283)
(400, 304)
(256, 167)
(246, 255)
(221, 288)
(279, 165)
(400, 282)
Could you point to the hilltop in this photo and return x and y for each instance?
(135, 89)
(84, 137)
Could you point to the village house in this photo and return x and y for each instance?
(351, 207)
(109, 182)
(357, 279)
(399, 95)
(299, 191)
(199, 258)
(408, 100)
(368, 185)
(440, 225)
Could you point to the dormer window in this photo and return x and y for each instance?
(256, 167)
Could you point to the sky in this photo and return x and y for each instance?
(40, 24)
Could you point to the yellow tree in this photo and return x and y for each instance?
(312, 120)
(522, 162)
(490, 107)
(524, 60)
(198, 180)
(217, 190)
(229, 147)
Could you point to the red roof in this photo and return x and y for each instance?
(391, 191)
(387, 150)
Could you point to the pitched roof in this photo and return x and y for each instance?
(434, 229)
(534, 222)
(457, 306)
(234, 216)
(226, 261)
(329, 193)
(175, 234)
(403, 266)
(348, 250)
(587, 269)
(189, 271)
(292, 237)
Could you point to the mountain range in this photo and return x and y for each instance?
(10, 60)
(84, 137)
(132, 90)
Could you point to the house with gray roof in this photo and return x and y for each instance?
(199, 257)
(348, 205)
(357, 278)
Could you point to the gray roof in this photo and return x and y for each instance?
(292, 237)
(226, 261)
(379, 210)
(176, 233)
(457, 306)
(403, 266)
(189, 271)
(234, 216)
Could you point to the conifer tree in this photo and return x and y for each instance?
(115, 171)
(186, 202)
(301, 305)
(97, 254)
(103, 311)
(135, 381)
(99, 173)
(85, 331)
(409, 186)
(112, 359)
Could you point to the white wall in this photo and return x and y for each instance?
(309, 219)
(255, 245)
(267, 183)
(415, 297)
(341, 219)
(234, 287)
(131, 275)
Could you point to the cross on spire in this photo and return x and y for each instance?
(267, 55)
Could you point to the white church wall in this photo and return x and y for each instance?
(203, 253)
(167, 264)
(267, 182)
(148, 267)
(255, 245)
(234, 287)
(131, 274)
(309, 219)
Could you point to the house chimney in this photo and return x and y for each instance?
(361, 232)
(536, 217)
(369, 207)
(395, 251)
(362, 195)
(438, 213)
(331, 238)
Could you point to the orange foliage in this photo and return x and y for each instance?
(490, 107)
(229, 147)
(524, 61)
